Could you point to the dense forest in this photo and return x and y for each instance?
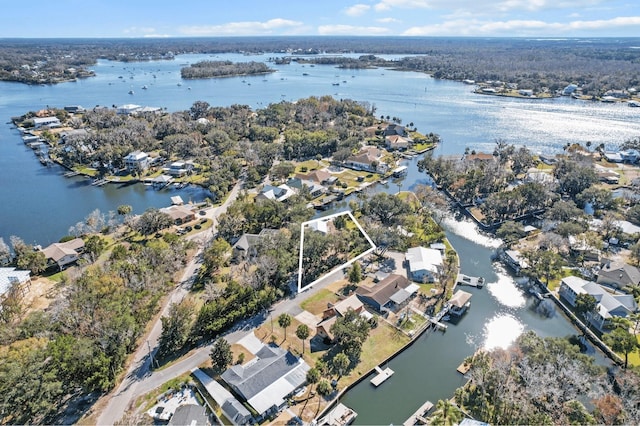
(596, 65)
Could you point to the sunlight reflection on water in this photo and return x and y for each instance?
(469, 231)
(501, 331)
(506, 292)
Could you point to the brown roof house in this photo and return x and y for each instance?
(63, 254)
(179, 214)
(618, 274)
(390, 294)
(335, 311)
(368, 158)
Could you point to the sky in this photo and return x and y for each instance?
(208, 18)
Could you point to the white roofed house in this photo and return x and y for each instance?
(137, 161)
(424, 264)
(63, 254)
(13, 280)
(368, 158)
(40, 122)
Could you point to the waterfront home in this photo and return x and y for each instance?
(568, 90)
(395, 130)
(279, 193)
(266, 381)
(424, 264)
(335, 311)
(13, 280)
(514, 260)
(72, 109)
(397, 142)
(368, 159)
(479, 157)
(67, 135)
(137, 161)
(314, 189)
(618, 274)
(320, 177)
(609, 305)
(459, 302)
(46, 122)
(179, 214)
(525, 92)
(127, 109)
(178, 168)
(231, 407)
(391, 294)
(63, 254)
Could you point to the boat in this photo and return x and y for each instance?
(179, 84)
(131, 92)
(304, 73)
(144, 87)
(634, 104)
(336, 84)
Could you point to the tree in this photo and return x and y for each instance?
(94, 246)
(175, 327)
(355, 273)
(350, 332)
(221, 356)
(543, 264)
(152, 221)
(621, 341)
(302, 332)
(585, 303)
(124, 209)
(324, 387)
(216, 255)
(510, 232)
(386, 208)
(5, 253)
(340, 363)
(446, 413)
(284, 321)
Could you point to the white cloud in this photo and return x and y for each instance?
(404, 4)
(242, 28)
(474, 27)
(140, 30)
(388, 20)
(351, 30)
(486, 5)
(357, 9)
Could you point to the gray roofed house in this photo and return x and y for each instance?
(190, 414)
(236, 412)
(268, 379)
(65, 253)
(618, 274)
(609, 304)
(244, 248)
(231, 407)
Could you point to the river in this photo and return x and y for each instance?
(39, 204)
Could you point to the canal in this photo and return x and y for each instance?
(499, 313)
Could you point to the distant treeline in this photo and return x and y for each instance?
(212, 69)
(595, 64)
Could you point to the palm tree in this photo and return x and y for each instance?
(446, 413)
(302, 332)
(284, 321)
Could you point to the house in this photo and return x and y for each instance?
(63, 254)
(137, 161)
(609, 305)
(72, 134)
(74, 109)
(321, 177)
(480, 157)
(424, 263)
(12, 280)
(538, 176)
(525, 92)
(618, 274)
(127, 109)
(369, 159)
(266, 381)
(179, 214)
(335, 311)
(231, 407)
(245, 248)
(279, 193)
(568, 90)
(395, 130)
(48, 122)
(580, 247)
(314, 189)
(190, 414)
(390, 294)
(178, 168)
(396, 142)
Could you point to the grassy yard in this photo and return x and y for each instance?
(317, 303)
(311, 165)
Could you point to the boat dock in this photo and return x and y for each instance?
(340, 415)
(381, 376)
(418, 418)
(71, 174)
(463, 279)
(99, 182)
(439, 325)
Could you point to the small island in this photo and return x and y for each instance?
(216, 69)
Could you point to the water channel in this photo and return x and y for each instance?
(39, 204)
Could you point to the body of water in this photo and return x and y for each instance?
(39, 204)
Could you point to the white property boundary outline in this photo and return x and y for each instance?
(344, 265)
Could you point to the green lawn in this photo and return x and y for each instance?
(317, 303)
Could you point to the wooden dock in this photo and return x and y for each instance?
(381, 376)
(418, 418)
(439, 325)
(339, 416)
(477, 282)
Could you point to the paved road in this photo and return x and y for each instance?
(140, 379)
(138, 372)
